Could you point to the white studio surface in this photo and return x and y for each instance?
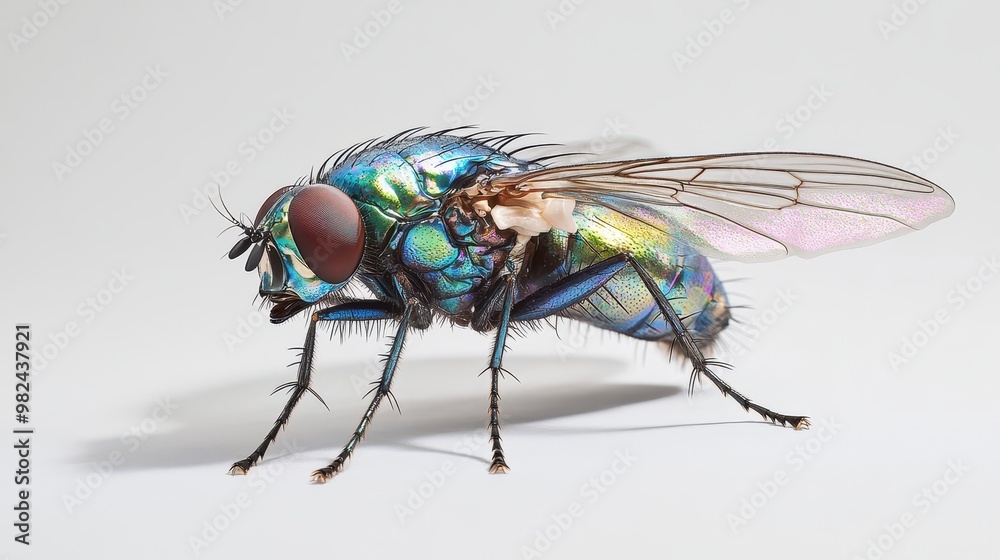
(119, 118)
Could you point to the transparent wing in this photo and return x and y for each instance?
(750, 207)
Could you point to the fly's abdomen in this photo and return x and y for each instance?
(624, 305)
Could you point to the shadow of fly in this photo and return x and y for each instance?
(453, 227)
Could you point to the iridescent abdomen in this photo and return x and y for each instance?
(623, 305)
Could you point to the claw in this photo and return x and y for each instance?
(239, 468)
(499, 467)
(803, 423)
(320, 476)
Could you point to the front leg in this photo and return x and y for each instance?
(352, 311)
(381, 390)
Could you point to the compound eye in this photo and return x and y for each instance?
(269, 203)
(328, 231)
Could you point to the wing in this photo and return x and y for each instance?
(749, 207)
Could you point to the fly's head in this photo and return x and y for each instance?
(307, 242)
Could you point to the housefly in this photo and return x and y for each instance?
(448, 225)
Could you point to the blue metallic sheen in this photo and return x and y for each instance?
(407, 193)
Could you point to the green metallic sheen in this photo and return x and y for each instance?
(299, 277)
(406, 192)
(624, 305)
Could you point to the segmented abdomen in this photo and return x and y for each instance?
(624, 305)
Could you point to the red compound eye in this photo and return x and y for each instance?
(269, 203)
(328, 231)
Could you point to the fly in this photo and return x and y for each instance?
(452, 226)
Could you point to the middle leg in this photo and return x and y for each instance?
(499, 463)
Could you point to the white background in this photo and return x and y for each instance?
(701, 481)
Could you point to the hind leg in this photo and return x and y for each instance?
(700, 364)
(574, 288)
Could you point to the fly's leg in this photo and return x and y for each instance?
(574, 288)
(700, 364)
(353, 311)
(499, 464)
(568, 290)
(381, 390)
(299, 387)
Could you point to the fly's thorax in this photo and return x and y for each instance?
(456, 254)
(409, 194)
(411, 179)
